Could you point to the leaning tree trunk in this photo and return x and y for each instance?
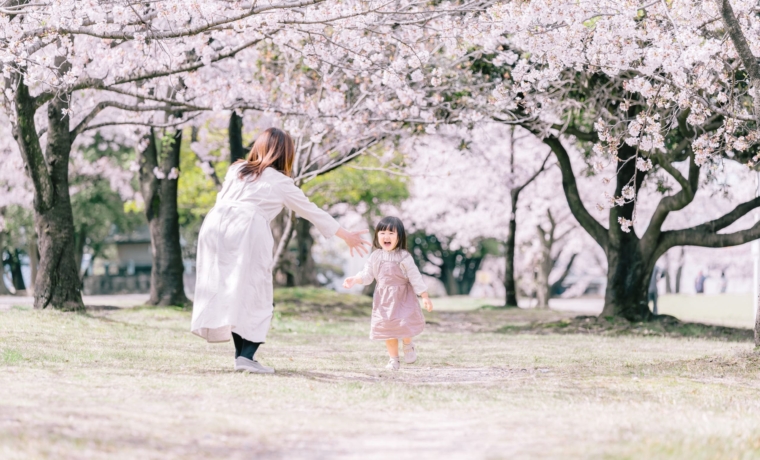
(509, 254)
(160, 195)
(57, 282)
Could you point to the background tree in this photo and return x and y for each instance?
(97, 65)
(637, 110)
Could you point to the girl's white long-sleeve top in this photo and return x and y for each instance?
(399, 256)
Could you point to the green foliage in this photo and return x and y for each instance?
(196, 192)
(361, 188)
(19, 224)
(98, 210)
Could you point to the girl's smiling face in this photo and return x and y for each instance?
(388, 239)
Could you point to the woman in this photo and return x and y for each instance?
(233, 291)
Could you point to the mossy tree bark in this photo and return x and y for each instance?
(57, 282)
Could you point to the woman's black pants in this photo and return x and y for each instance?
(243, 347)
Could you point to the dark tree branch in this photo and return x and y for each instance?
(737, 213)
(741, 45)
(520, 188)
(692, 237)
(577, 133)
(25, 133)
(99, 107)
(587, 221)
(671, 203)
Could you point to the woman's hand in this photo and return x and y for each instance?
(354, 241)
(350, 282)
(426, 302)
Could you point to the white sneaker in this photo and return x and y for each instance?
(243, 364)
(393, 364)
(410, 354)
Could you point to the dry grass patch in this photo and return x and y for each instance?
(134, 383)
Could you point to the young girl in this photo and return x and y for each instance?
(396, 312)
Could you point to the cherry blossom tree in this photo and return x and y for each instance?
(76, 66)
(650, 92)
(470, 197)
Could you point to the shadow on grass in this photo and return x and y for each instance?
(660, 326)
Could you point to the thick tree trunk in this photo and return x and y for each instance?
(57, 282)
(628, 269)
(627, 282)
(448, 279)
(509, 255)
(306, 271)
(235, 134)
(160, 195)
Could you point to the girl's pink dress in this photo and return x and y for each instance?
(396, 312)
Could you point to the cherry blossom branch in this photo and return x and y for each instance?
(99, 107)
(140, 123)
(174, 33)
(743, 50)
(98, 84)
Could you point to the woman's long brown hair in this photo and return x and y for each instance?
(274, 148)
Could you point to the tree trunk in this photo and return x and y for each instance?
(34, 257)
(306, 271)
(14, 263)
(235, 134)
(160, 195)
(545, 265)
(627, 281)
(679, 271)
(666, 273)
(509, 255)
(628, 269)
(3, 288)
(57, 282)
(81, 237)
(448, 279)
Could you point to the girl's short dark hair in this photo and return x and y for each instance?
(393, 224)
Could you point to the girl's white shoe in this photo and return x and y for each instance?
(393, 364)
(410, 354)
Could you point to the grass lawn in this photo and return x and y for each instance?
(727, 309)
(134, 383)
